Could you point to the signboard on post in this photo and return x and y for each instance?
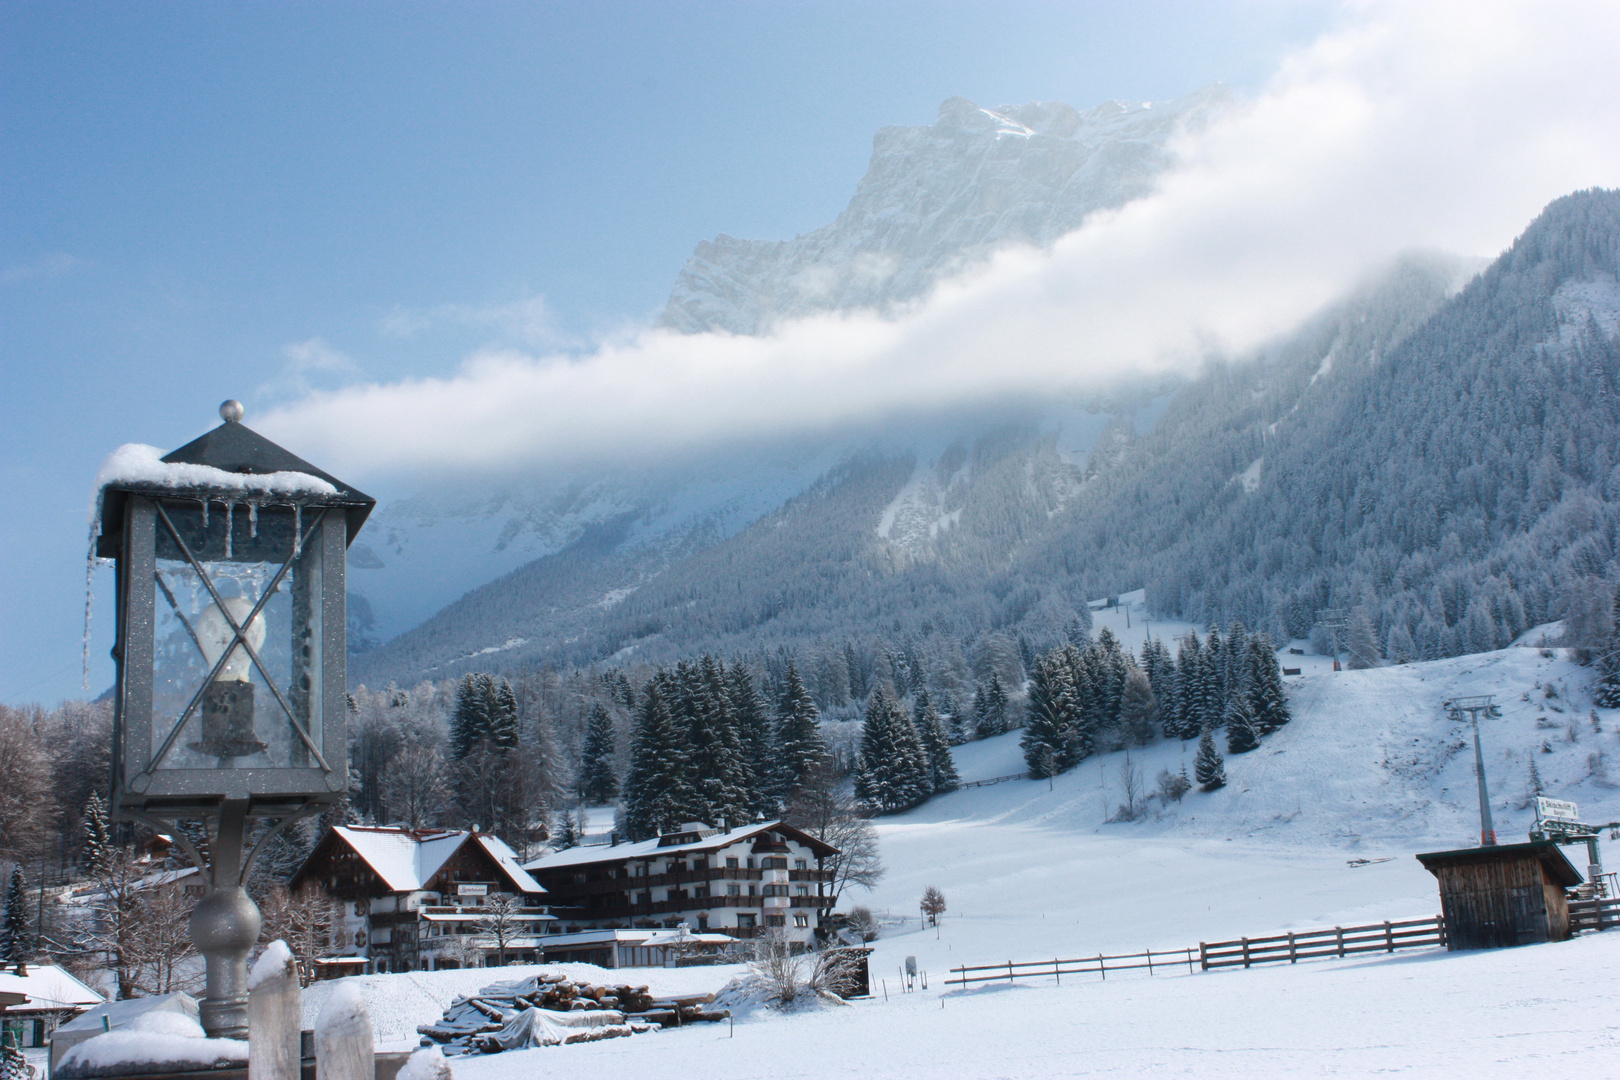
(1556, 810)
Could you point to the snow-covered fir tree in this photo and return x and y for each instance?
(1209, 768)
(658, 793)
(598, 783)
(893, 772)
(800, 747)
(936, 743)
(1241, 733)
(756, 735)
(14, 939)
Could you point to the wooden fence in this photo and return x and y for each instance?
(995, 780)
(1091, 965)
(1309, 944)
(1594, 914)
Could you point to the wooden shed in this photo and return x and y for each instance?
(1511, 894)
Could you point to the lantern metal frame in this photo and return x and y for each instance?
(138, 531)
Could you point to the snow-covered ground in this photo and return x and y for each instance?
(1316, 828)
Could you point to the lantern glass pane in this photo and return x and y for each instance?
(262, 692)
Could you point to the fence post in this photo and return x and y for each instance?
(1292, 958)
(1203, 956)
(1245, 952)
(1102, 967)
(1150, 961)
(1058, 971)
(1389, 937)
(1189, 959)
(1340, 930)
(1009, 971)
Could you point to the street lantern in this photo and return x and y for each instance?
(231, 639)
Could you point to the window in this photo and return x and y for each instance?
(731, 864)
(733, 890)
(800, 864)
(700, 865)
(753, 890)
(745, 921)
(776, 920)
(643, 897)
(701, 892)
(776, 890)
(750, 862)
(801, 921)
(803, 890)
(773, 862)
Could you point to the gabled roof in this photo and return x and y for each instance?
(655, 848)
(406, 859)
(47, 988)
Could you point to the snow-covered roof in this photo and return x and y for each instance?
(655, 848)
(407, 860)
(508, 860)
(48, 987)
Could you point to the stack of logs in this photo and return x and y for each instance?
(468, 1023)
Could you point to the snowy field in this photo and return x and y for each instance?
(1316, 828)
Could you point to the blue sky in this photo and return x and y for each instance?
(201, 200)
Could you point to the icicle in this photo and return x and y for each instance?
(253, 520)
(298, 529)
(230, 511)
(205, 513)
(90, 593)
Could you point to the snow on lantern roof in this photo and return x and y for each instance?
(232, 459)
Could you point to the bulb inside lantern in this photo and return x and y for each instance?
(214, 634)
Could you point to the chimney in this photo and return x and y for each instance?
(613, 839)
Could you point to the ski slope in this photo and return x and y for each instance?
(1316, 828)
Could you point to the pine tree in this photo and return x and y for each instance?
(755, 733)
(893, 772)
(471, 720)
(14, 943)
(1241, 733)
(800, 748)
(658, 795)
(1362, 642)
(992, 710)
(597, 782)
(723, 781)
(504, 724)
(1047, 726)
(1209, 769)
(1138, 710)
(1267, 699)
(937, 745)
(1536, 786)
(98, 845)
(1606, 693)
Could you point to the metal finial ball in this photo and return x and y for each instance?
(230, 410)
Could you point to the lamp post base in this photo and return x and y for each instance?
(225, 926)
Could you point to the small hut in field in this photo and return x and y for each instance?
(1511, 894)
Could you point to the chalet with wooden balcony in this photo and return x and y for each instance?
(416, 899)
(742, 882)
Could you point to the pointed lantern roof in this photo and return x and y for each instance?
(236, 449)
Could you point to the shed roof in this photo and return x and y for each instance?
(1548, 853)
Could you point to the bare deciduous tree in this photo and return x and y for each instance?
(933, 904)
(302, 919)
(500, 922)
(826, 810)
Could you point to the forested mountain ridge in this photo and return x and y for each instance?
(949, 539)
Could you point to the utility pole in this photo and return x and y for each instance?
(1332, 619)
(1473, 706)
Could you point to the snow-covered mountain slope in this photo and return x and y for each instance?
(933, 200)
(1317, 828)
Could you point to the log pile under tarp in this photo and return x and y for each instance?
(553, 1010)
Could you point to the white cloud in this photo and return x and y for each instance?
(309, 363)
(1443, 125)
